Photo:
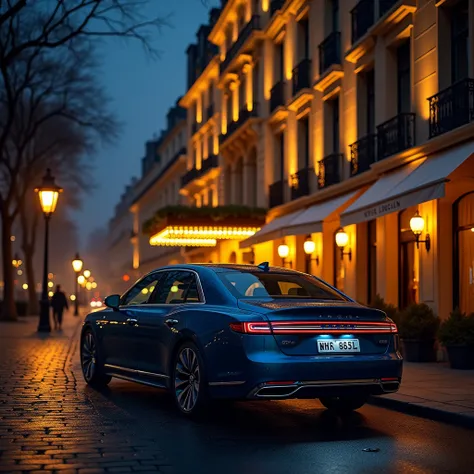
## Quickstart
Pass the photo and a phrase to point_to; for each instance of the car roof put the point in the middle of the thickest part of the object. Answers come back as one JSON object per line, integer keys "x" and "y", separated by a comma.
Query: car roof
{"x": 226, "y": 267}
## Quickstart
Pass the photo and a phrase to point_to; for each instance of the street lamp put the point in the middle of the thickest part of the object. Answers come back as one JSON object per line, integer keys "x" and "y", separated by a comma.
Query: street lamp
{"x": 342, "y": 239}
{"x": 77, "y": 267}
{"x": 17, "y": 262}
{"x": 283, "y": 252}
{"x": 48, "y": 194}
{"x": 417, "y": 225}
{"x": 87, "y": 273}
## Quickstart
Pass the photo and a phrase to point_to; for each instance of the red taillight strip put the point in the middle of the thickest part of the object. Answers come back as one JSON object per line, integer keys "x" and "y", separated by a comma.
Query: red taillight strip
{"x": 332, "y": 327}
{"x": 251, "y": 328}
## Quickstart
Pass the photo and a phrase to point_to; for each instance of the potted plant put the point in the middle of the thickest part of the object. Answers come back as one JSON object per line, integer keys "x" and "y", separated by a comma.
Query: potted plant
{"x": 457, "y": 335}
{"x": 418, "y": 326}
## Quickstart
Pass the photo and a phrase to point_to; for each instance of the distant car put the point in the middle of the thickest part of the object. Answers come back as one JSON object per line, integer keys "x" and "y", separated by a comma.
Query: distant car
{"x": 242, "y": 332}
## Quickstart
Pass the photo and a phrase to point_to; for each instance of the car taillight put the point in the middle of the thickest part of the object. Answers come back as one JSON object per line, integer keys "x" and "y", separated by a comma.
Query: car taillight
{"x": 251, "y": 328}
{"x": 393, "y": 328}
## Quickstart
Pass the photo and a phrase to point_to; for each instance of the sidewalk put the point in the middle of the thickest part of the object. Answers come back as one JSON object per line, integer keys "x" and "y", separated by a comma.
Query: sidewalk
{"x": 433, "y": 390}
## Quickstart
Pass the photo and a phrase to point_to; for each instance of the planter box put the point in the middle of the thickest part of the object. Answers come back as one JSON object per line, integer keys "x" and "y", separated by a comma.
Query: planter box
{"x": 418, "y": 351}
{"x": 461, "y": 357}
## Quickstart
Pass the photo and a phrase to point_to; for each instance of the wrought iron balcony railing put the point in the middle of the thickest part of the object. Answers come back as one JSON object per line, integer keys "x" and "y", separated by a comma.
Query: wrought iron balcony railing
{"x": 244, "y": 35}
{"x": 276, "y": 193}
{"x": 329, "y": 171}
{"x": 452, "y": 107}
{"x": 395, "y": 135}
{"x": 300, "y": 183}
{"x": 277, "y": 95}
{"x": 330, "y": 52}
{"x": 244, "y": 115}
{"x": 302, "y": 76}
{"x": 363, "y": 154}
{"x": 276, "y": 5}
{"x": 210, "y": 162}
{"x": 362, "y": 17}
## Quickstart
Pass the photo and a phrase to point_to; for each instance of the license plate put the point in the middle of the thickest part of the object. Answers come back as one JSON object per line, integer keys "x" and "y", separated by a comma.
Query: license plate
{"x": 339, "y": 345}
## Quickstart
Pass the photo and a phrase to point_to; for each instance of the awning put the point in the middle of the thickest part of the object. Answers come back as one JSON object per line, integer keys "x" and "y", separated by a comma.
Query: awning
{"x": 271, "y": 231}
{"x": 311, "y": 220}
{"x": 412, "y": 184}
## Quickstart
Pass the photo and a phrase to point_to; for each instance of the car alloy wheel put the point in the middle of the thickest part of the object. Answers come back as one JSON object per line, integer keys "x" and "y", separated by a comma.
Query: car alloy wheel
{"x": 187, "y": 379}
{"x": 88, "y": 356}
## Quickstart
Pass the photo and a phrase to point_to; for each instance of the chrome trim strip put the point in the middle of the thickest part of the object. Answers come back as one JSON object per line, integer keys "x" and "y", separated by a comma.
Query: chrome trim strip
{"x": 131, "y": 379}
{"x": 136, "y": 371}
{"x": 237, "y": 382}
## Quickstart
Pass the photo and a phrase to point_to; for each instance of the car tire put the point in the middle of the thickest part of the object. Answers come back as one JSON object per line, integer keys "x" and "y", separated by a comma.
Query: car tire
{"x": 343, "y": 405}
{"x": 91, "y": 364}
{"x": 189, "y": 382}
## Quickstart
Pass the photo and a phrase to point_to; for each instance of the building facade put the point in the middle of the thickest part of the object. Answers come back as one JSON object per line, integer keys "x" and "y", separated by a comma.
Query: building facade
{"x": 351, "y": 123}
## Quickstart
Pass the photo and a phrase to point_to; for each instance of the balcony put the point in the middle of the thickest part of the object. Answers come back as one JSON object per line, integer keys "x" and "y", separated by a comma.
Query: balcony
{"x": 244, "y": 35}
{"x": 301, "y": 76}
{"x": 276, "y": 193}
{"x": 363, "y": 154}
{"x": 329, "y": 172}
{"x": 209, "y": 163}
{"x": 452, "y": 107}
{"x": 276, "y": 5}
{"x": 277, "y": 95}
{"x": 395, "y": 135}
{"x": 300, "y": 183}
{"x": 330, "y": 64}
{"x": 244, "y": 116}
{"x": 363, "y": 17}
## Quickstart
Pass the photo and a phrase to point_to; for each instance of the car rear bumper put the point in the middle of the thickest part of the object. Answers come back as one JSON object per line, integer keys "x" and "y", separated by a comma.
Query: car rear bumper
{"x": 313, "y": 377}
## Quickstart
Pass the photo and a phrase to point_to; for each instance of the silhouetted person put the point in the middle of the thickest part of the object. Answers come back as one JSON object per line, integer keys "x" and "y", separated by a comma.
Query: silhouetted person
{"x": 58, "y": 303}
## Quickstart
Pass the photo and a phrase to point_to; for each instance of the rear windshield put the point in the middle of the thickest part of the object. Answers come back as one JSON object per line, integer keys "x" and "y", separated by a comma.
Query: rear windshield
{"x": 277, "y": 285}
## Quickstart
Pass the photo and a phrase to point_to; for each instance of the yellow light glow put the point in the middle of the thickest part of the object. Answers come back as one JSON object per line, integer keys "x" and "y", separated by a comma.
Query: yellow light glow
{"x": 73, "y": 297}
{"x": 309, "y": 247}
{"x": 249, "y": 87}
{"x": 25, "y": 286}
{"x": 20, "y": 272}
{"x": 341, "y": 238}
{"x": 77, "y": 264}
{"x": 417, "y": 224}
{"x": 87, "y": 273}
{"x": 472, "y": 229}
{"x": 174, "y": 289}
{"x": 50, "y": 284}
{"x": 12, "y": 238}
{"x": 94, "y": 285}
{"x": 89, "y": 285}
{"x": 48, "y": 200}
{"x": 50, "y": 294}
{"x": 265, "y": 5}
{"x": 81, "y": 279}
{"x": 145, "y": 291}
{"x": 283, "y": 251}
{"x": 50, "y": 276}
{"x": 235, "y": 103}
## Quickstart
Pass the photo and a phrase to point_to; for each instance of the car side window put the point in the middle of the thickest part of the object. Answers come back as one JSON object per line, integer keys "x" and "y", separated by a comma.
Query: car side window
{"x": 176, "y": 287}
{"x": 141, "y": 292}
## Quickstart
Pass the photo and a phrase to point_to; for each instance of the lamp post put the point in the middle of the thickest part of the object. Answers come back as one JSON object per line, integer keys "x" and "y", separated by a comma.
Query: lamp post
{"x": 77, "y": 267}
{"x": 48, "y": 194}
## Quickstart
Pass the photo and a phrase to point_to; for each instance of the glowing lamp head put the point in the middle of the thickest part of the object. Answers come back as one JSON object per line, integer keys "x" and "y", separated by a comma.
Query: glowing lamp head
{"x": 342, "y": 238}
{"x": 48, "y": 194}
{"x": 417, "y": 224}
{"x": 81, "y": 279}
{"x": 283, "y": 251}
{"x": 309, "y": 247}
{"x": 87, "y": 273}
{"x": 77, "y": 263}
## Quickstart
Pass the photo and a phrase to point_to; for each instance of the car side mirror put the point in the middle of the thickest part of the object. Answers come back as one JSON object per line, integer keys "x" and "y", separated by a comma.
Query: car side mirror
{"x": 112, "y": 301}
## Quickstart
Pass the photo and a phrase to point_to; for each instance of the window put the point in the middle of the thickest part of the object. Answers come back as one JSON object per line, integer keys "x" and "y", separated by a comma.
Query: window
{"x": 335, "y": 15}
{"x": 335, "y": 125}
{"x": 176, "y": 287}
{"x": 409, "y": 269}
{"x": 372, "y": 260}
{"x": 370, "y": 94}
{"x": 463, "y": 281}
{"x": 403, "y": 78}
{"x": 459, "y": 41}
{"x": 277, "y": 285}
{"x": 140, "y": 293}
{"x": 303, "y": 142}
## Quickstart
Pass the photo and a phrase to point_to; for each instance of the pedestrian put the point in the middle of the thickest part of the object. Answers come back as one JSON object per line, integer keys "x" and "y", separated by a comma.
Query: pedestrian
{"x": 58, "y": 303}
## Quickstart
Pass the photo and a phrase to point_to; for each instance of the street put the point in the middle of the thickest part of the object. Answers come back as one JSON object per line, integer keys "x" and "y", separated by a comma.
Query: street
{"x": 51, "y": 421}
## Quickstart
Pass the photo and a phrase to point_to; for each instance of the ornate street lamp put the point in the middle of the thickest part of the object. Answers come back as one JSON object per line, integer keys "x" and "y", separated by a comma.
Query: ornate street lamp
{"x": 77, "y": 267}
{"x": 342, "y": 239}
{"x": 48, "y": 194}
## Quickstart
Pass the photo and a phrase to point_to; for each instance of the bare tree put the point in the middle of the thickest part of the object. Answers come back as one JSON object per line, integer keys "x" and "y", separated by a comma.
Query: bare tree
{"x": 62, "y": 112}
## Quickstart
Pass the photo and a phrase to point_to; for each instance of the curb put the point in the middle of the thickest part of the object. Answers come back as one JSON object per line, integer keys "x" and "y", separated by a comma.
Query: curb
{"x": 435, "y": 414}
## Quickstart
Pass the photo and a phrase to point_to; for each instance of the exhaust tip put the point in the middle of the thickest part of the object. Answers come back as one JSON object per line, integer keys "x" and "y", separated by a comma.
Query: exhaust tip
{"x": 389, "y": 387}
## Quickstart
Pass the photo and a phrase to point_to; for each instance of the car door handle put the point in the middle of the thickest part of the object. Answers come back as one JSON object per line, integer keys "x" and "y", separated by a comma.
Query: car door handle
{"x": 171, "y": 322}
{"x": 132, "y": 321}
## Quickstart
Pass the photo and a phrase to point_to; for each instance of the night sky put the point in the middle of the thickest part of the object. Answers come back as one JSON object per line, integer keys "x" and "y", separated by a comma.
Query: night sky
{"x": 142, "y": 90}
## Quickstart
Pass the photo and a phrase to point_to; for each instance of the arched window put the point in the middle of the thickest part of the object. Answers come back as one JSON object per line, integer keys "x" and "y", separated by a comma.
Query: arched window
{"x": 464, "y": 253}
{"x": 408, "y": 261}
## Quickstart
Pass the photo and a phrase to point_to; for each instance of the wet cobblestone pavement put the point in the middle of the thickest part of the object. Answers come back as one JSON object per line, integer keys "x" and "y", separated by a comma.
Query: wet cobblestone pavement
{"x": 50, "y": 421}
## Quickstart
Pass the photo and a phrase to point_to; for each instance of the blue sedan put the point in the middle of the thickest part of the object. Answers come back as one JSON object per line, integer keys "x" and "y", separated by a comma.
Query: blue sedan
{"x": 208, "y": 332}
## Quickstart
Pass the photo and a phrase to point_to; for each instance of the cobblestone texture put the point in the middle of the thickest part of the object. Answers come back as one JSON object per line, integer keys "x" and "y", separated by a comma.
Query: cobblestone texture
{"x": 48, "y": 418}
